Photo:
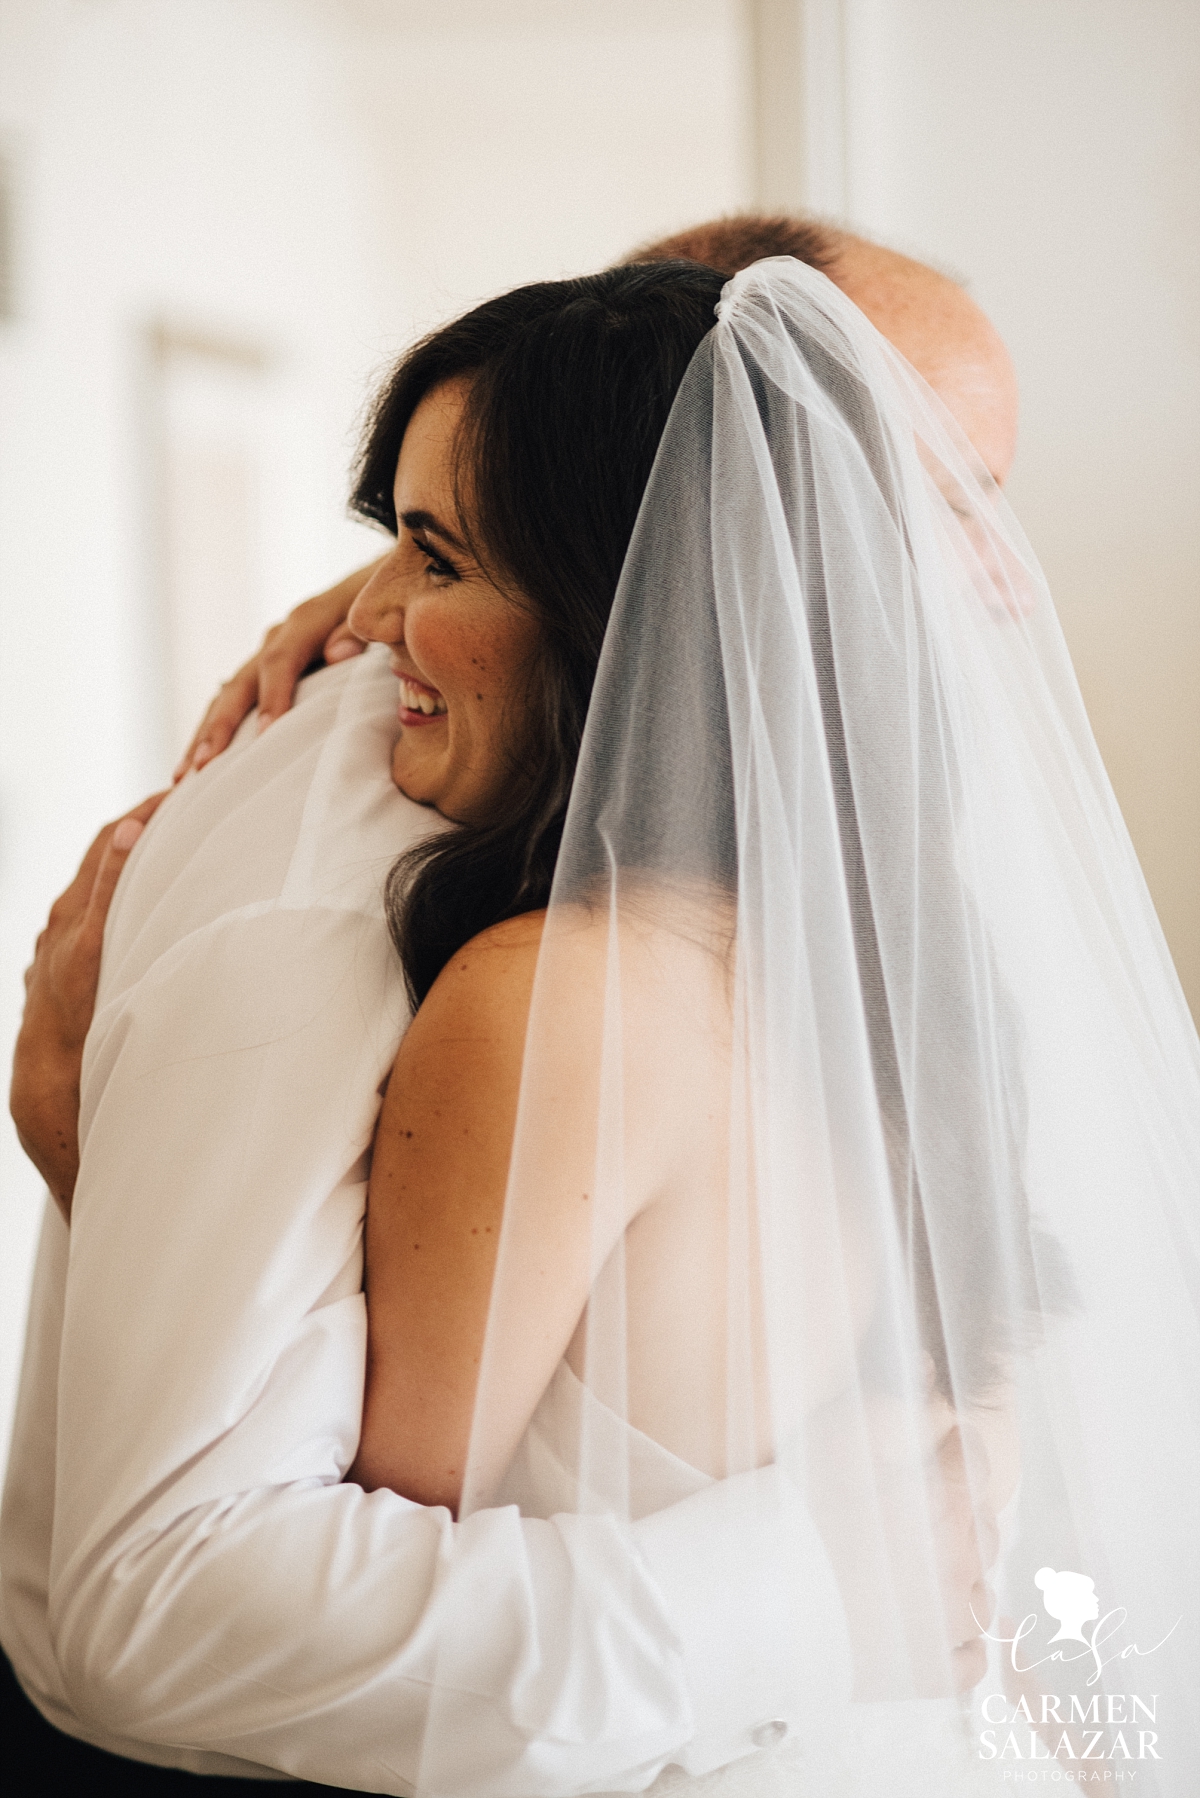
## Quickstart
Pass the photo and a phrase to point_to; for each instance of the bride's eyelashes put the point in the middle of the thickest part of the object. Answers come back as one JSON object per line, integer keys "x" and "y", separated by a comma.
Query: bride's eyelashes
{"x": 436, "y": 564}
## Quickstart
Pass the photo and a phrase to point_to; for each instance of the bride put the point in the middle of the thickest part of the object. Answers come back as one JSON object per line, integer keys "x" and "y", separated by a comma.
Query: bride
{"x": 796, "y": 1075}
{"x": 795, "y": 1095}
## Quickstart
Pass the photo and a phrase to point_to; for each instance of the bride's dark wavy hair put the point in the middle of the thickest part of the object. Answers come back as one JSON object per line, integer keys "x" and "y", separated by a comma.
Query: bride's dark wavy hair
{"x": 571, "y": 385}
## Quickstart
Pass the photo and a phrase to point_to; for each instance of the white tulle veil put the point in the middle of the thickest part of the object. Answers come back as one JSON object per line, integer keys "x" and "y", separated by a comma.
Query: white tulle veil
{"x": 891, "y": 1098}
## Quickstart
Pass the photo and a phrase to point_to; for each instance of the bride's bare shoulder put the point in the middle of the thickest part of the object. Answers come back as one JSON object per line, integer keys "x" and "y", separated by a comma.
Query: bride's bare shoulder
{"x": 508, "y": 952}
{"x": 513, "y": 942}
{"x": 483, "y": 990}
{"x": 672, "y": 946}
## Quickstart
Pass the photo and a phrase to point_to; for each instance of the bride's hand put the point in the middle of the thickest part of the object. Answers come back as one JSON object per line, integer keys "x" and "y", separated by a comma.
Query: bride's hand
{"x": 60, "y": 997}
{"x": 268, "y": 680}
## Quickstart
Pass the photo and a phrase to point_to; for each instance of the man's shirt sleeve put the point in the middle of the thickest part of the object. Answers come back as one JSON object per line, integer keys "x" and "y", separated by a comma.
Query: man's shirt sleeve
{"x": 213, "y": 1582}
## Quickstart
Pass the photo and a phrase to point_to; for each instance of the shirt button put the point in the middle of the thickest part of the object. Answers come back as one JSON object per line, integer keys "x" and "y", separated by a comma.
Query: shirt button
{"x": 767, "y": 1734}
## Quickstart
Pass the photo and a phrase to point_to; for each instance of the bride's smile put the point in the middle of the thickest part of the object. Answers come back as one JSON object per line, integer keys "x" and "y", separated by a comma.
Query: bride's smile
{"x": 419, "y": 704}
{"x": 460, "y": 645}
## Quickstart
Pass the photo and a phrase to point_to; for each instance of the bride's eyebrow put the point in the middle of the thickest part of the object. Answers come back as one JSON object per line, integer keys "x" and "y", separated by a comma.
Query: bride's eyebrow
{"x": 425, "y": 521}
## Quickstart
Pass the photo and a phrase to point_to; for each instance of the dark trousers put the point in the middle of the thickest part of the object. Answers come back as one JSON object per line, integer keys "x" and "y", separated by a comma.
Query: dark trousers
{"x": 39, "y": 1761}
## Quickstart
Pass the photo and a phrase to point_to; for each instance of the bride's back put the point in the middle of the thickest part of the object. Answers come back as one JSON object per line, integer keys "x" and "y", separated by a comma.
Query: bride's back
{"x": 652, "y": 987}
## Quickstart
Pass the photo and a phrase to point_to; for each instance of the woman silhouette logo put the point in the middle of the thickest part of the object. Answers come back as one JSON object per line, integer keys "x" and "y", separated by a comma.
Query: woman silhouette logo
{"x": 1070, "y": 1598}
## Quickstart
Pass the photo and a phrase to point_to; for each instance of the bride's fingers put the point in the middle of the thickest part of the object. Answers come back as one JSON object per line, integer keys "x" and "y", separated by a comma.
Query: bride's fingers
{"x": 342, "y": 643}
{"x": 268, "y": 680}
{"x": 116, "y": 853}
{"x": 290, "y": 648}
{"x": 60, "y": 983}
{"x": 236, "y": 699}
{"x": 72, "y": 901}
{"x": 121, "y": 838}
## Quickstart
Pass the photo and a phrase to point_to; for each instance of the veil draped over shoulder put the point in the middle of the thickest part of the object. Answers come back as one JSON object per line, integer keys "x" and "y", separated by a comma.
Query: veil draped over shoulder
{"x": 856, "y": 1036}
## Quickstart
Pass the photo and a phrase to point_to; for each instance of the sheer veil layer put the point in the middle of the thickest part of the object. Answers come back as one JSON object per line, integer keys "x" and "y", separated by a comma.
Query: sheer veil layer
{"x": 856, "y": 1046}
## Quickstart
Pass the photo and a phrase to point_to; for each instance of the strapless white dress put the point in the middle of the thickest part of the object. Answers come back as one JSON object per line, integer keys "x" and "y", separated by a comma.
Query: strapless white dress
{"x": 882, "y": 1750}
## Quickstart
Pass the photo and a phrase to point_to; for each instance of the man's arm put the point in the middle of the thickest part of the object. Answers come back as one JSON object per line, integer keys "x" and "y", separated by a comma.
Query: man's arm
{"x": 354, "y": 1639}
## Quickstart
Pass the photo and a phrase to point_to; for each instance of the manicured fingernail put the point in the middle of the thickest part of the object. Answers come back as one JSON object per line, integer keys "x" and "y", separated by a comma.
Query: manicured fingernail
{"x": 264, "y": 718}
{"x": 343, "y": 650}
{"x": 127, "y": 833}
{"x": 203, "y": 754}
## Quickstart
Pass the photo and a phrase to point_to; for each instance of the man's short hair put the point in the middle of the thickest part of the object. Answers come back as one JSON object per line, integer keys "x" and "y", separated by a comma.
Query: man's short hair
{"x": 733, "y": 243}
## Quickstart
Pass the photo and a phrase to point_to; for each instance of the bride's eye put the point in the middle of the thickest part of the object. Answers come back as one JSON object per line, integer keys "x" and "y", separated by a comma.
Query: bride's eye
{"x": 434, "y": 563}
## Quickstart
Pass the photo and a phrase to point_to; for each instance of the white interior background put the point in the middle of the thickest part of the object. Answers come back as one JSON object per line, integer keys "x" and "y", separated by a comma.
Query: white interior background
{"x": 227, "y": 216}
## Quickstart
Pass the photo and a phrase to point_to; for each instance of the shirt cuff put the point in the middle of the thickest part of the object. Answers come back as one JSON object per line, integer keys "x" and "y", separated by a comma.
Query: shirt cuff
{"x": 751, "y": 1591}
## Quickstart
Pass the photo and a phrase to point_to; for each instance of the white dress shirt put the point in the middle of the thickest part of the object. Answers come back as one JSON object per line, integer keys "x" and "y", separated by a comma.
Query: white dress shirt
{"x": 186, "y": 1579}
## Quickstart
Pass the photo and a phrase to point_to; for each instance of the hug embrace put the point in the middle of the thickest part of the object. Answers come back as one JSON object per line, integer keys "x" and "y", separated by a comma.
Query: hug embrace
{"x": 625, "y": 1173}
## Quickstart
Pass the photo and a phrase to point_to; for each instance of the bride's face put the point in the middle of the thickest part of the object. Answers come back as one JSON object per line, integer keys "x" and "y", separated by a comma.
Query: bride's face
{"x": 460, "y": 646}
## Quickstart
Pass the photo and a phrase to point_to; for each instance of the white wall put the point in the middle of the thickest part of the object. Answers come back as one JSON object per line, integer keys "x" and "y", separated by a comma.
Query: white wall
{"x": 1049, "y": 152}
{"x": 533, "y": 139}
{"x": 316, "y": 178}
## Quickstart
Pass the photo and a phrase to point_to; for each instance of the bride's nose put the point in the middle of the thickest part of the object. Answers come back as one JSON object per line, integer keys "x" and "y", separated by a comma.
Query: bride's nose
{"x": 377, "y": 615}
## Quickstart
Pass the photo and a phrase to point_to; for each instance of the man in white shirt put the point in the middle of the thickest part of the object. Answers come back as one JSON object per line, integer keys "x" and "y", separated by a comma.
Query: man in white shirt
{"x": 187, "y": 1581}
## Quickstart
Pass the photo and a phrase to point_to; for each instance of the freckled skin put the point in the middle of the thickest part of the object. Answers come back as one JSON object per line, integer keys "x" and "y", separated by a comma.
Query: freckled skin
{"x": 427, "y": 1295}
{"x": 450, "y": 627}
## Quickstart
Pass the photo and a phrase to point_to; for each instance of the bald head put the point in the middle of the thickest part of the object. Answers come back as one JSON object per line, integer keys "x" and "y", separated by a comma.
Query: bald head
{"x": 931, "y": 320}
{"x": 948, "y": 339}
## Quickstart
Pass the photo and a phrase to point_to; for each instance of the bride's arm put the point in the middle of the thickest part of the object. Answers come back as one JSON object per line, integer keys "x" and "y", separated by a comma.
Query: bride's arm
{"x": 434, "y": 1214}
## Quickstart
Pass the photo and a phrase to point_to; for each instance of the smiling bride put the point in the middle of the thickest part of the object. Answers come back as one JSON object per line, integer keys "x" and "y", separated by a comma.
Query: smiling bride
{"x": 796, "y": 1085}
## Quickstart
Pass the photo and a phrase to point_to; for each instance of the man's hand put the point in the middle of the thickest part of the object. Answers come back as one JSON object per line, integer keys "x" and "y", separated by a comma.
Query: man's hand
{"x": 268, "y": 679}
{"x": 914, "y": 1623}
{"x": 60, "y": 997}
